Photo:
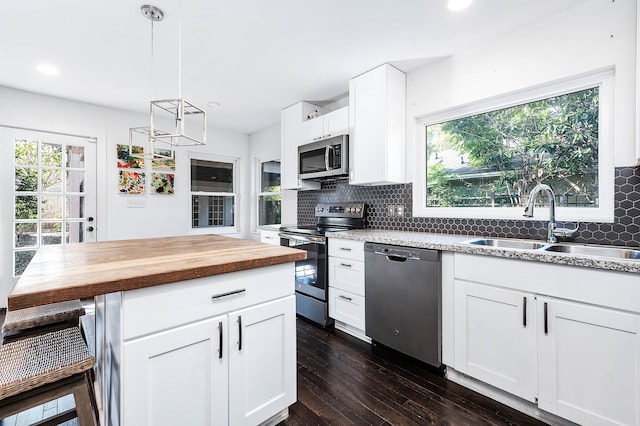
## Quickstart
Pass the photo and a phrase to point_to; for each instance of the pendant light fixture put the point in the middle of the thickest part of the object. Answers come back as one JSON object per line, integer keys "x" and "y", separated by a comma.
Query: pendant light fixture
{"x": 173, "y": 122}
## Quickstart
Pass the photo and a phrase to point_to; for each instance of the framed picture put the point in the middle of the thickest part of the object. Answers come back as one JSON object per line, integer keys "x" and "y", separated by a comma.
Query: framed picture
{"x": 131, "y": 182}
{"x": 162, "y": 183}
{"x": 130, "y": 158}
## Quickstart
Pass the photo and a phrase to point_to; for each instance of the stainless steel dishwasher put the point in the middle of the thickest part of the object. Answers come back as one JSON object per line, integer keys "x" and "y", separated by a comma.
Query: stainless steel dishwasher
{"x": 403, "y": 299}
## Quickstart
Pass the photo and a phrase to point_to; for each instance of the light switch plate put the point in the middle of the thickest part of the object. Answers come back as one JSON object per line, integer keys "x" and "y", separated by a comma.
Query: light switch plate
{"x": 136, "y": 203}
{"x": 391, "y": 210}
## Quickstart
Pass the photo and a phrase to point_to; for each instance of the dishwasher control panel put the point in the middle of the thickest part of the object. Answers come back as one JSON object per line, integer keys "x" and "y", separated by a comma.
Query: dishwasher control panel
{"x": 403, "y": 252}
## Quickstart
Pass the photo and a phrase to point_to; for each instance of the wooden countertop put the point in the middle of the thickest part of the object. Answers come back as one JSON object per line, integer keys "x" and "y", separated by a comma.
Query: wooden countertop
{"x": 66, "y": 272}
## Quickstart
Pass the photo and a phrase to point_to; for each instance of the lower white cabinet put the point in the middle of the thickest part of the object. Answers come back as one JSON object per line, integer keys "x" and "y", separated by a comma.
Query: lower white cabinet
{"x": 346, "y": 286}
{"x": 234, "y": 369}
{"x": 269, "y": 237}
{"x": 575, "y": 359}
{"x": 495, "y": 337}
{"x": 179, "y": 376}
{"x": 216, "y": 350}
{"x": 588, "y": 363}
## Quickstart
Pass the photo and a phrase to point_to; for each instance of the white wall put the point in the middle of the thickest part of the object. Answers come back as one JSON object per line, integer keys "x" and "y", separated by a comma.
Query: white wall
{"x": 162, "y": 215}
{"x": 590, "y": 36}
{"x": 264, "y": 145}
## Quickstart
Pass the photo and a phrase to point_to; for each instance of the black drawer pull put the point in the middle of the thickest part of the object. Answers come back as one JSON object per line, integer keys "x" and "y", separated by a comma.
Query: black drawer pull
{"x": 546, "y": 321}
{"x": 346, "y": 265}
{"x": 220, "y": 340}
{"x": 239, "y": 333}
{"x": 345, "y": 297}
{"x": 227, "y": 294}
{"x": 524, "y": 311}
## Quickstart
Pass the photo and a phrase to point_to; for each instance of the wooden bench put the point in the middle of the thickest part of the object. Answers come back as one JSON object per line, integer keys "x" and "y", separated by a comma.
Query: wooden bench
{"x": 29, "y": 321}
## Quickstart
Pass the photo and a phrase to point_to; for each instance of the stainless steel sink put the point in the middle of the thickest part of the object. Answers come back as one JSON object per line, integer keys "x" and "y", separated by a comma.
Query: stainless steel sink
{"x": 614, "y": 252}
{"x": 507, "y": 243}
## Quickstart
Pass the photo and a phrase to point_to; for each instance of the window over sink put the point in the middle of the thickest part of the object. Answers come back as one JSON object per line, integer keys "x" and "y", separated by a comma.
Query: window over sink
{"x": 481, "y": 160}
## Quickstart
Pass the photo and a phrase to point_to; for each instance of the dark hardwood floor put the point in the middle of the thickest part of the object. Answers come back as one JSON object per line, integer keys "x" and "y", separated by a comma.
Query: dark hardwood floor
{"x": 342, "y": 381}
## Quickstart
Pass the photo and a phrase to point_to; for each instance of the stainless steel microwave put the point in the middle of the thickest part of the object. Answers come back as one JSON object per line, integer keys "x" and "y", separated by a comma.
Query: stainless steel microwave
{"x": 326, "y": 158}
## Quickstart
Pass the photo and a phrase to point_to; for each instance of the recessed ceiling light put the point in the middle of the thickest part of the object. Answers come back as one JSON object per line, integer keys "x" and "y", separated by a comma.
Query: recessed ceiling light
{"x": 457, "y": 5}
{"x": 48, "y": 69}
{"x": 213, "y": 104}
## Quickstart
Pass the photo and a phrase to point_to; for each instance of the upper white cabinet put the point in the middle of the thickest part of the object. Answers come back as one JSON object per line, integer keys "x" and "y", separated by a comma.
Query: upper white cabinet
{"x": 291, "y": 137}
{"x": 325, "y": 126}
{"x": 377, "y": 120}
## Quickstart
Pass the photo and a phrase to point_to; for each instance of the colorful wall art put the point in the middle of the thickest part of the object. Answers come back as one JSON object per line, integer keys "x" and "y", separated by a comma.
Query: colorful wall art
{"x": 168, "y": 163}
{"x": 130, "y": 158}
{"x": 162, "y": 183}
{"x": 131, "y": 182}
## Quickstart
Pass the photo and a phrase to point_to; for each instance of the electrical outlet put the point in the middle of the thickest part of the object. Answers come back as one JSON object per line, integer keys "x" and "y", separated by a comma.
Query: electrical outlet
{"x": 391, "y": 210}
{"x": 400, "y": 210}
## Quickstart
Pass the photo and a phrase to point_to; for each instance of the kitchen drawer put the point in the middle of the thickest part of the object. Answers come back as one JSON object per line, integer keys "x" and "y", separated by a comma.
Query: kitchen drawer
{"x": 152, "y": 309}
{"x": 346, "y": 307}
{"x": 348, "y": 249}
{"x": 269, "y": 237}
{"x": 346, "y": 274}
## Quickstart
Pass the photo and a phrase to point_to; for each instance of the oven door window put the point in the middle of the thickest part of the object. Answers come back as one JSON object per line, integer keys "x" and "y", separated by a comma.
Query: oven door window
{"x": 311, "y": 273}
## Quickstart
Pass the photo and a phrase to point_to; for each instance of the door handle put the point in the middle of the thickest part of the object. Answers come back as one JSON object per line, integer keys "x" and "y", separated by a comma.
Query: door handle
{"x": 220, "y": 340}
{"x": 524, "y": 311}
{"x": 546, "y": 321}
{"x": 239, "y": 333}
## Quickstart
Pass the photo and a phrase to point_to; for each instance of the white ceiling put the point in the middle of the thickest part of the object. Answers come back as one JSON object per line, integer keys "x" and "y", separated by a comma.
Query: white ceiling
{"x": 254, "y": 57}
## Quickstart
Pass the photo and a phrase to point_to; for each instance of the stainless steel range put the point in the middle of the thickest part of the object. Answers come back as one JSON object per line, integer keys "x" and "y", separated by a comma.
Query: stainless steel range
{"x": 311, "y": 274}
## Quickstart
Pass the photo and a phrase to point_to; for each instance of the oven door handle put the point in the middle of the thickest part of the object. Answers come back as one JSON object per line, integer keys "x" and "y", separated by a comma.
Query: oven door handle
{"x": 316, "y": 240}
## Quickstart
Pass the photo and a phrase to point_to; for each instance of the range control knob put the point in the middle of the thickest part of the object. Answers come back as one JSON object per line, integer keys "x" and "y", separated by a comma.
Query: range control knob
{"x": 357, "y": 209}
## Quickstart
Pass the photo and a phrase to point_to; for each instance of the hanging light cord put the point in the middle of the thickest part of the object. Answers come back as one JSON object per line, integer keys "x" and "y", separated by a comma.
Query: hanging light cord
{"x": 180, "y": 50}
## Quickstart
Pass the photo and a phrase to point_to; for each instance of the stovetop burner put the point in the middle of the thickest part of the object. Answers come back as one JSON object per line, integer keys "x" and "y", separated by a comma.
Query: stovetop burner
{"x": 332, "y": 218}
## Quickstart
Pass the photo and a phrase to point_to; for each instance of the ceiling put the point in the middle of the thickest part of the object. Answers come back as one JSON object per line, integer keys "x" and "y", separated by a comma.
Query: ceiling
{"x": 254, "y": 57}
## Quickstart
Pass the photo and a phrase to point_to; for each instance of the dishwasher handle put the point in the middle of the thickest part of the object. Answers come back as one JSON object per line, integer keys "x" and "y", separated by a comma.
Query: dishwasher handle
{"x": 396, "y": 257}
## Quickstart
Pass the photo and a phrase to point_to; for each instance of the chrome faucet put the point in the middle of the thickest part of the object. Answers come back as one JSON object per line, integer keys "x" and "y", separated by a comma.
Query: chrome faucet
{"x": 552, "y": 229}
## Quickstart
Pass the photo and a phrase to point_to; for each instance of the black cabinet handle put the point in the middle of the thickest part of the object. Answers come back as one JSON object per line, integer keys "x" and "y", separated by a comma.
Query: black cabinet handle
{"x": 345, "y": 297}
{"x": 546, "y": 322}
{"x": 220, "y": 340}
{"x": 524, "y": 311}
{"x": 239, "y": 333}
{"x": 227, "y": 294}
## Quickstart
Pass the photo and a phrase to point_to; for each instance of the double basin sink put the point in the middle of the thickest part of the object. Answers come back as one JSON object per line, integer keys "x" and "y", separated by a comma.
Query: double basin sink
{"x": 568, "y": 248}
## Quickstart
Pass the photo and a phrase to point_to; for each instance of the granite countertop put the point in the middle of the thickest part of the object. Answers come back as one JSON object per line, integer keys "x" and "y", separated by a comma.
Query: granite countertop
{"x": 58, "y": 273}
{"x": 269, "y": 227}
{"x": 447, "y": 242}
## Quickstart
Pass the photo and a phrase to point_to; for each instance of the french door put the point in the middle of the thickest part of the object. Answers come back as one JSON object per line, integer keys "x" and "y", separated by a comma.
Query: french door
{"x": 48, "y": 196}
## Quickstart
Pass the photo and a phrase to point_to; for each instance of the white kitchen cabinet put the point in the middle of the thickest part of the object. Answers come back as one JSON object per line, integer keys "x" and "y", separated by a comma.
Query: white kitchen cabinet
{"x": 236, "y": 369}
{"x": 346, "y": 286}
{"x": 262, "y": 361}
{"x": 179, "y": 376}
{"x": 217, "y": 350}
{"x": 290, "y": 138}
{"x": 589, "y": 363}
{"x": 334, "y": 123}
{"x": 377, "y": 121}
{"x": 269, "y": 237}
{"x": 578, "y": 357}
{"x": 495, "y": 338}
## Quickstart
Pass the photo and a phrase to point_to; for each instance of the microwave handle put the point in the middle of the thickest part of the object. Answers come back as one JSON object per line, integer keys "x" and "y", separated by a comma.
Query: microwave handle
{"x": 326, "y": 157}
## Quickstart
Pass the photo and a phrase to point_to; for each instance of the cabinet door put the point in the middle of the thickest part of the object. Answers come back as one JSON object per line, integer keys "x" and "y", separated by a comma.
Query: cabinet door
{"x": 262, "y": 361}
{"x": 179, "y": 376}
{"x": 377, "y": 120}
{"x": 589, "y": 363}
{"x": 495, "y": 337}
{"x": 313, "y": 130}
{"x": 336, "y": 122}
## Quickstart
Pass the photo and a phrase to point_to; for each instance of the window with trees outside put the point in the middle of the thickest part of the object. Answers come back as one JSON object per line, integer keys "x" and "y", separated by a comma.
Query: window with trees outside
{"x": 489, "y": 161}
{"x": 213, "y": 193}
{"x": 269, "y": 195}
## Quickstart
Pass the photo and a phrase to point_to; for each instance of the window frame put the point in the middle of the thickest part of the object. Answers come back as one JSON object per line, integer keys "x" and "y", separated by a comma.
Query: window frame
{"x": 234, "y": 161}
{"x": 259, "y": 193}
{"x": 602, "y": 78}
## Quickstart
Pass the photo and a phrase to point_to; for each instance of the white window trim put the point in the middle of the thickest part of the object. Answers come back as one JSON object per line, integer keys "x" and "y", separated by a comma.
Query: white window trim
{"x": 258, "y": 183}
{"x": 220, "y": 230}
{"x": 604, "y": 78}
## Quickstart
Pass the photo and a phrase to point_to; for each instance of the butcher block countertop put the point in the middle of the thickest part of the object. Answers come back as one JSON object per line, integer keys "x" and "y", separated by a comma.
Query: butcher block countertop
{"x": 66, "y": 272}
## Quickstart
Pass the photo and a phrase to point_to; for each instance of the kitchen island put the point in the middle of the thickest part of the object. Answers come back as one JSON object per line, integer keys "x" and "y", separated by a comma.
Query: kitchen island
{"x": 196, "y": 330}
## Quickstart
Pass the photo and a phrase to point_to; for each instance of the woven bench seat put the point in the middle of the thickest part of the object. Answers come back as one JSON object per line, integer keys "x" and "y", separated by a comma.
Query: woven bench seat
{"x": 44, "y": 367}
{"x": 38, "y": 316}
